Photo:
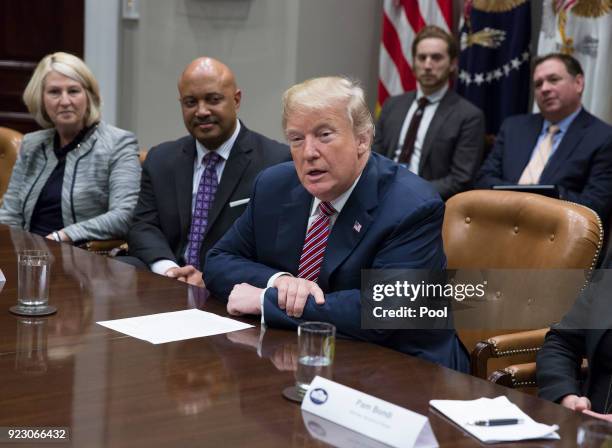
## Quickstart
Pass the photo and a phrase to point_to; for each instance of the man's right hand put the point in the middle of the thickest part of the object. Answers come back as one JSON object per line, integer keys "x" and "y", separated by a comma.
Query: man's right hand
{"x": 187, "y": 274}
{"x": 576, "y": 403}
{"x": 293, "y": 293}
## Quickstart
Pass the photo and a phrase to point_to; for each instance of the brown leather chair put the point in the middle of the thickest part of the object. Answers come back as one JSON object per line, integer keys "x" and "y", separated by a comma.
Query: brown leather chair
{"x": 10, "y": 141}
{"x": 102, "y": 247}
{"x": 486, "y": 229}
{"x": 142, "y": 155}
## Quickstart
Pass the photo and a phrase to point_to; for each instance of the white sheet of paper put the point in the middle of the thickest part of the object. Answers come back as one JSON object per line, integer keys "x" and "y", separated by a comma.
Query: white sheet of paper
{"x": 464, "y": 412}
{"x": 174, "y": 326}
{"x": 2, "y": 277}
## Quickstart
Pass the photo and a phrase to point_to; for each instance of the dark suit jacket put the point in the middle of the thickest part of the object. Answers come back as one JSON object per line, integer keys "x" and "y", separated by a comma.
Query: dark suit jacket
{"x": 578, "y": 336}
{"x": 559, "y": 361}
{"x": 162, "y": 218}
{"x": 269, "y": 237}
{"x": 581, "y": 167}
{"x": 454, "y": 144}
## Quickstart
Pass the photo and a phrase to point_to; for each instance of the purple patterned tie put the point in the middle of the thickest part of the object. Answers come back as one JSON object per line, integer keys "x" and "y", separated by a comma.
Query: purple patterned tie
{"x": 203, "y": 203}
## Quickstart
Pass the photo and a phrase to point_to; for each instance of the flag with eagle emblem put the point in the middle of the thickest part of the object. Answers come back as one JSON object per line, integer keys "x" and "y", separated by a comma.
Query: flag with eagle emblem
{"x": 494, "y": 71}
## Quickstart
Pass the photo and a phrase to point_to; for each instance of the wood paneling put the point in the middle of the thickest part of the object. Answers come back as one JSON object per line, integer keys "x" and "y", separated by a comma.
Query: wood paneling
{"x": 29, "y": 30}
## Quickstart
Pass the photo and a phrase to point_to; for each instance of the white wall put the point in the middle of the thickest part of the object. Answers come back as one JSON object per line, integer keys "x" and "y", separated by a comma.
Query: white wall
{"x": 269, "y": 44}
{"x": 102, "y": 51}
{"x": 340, "y": 37}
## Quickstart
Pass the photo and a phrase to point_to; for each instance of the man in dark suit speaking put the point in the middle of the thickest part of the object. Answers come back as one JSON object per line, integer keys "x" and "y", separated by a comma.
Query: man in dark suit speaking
{"x": 194, "y": 188}
{"x": 312, "y": 225}
{"x": 433, "y": 131}
{"x": 563, "y": 145}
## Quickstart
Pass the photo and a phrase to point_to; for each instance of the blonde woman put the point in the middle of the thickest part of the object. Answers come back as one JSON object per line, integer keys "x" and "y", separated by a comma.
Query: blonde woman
{"x": 78, "y": 179}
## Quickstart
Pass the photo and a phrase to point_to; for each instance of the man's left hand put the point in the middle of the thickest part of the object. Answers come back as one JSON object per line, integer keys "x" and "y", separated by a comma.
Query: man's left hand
{"x": 607, "y": 417}
{"x": 187, "y": 274}
{"x": 244, "y": 299}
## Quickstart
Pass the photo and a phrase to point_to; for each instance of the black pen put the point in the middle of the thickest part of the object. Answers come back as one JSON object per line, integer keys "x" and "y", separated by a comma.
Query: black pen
{"x": 498, "y": 422}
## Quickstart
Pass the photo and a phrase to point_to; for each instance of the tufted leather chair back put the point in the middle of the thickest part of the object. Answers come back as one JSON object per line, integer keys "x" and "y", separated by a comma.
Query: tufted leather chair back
{"x": 10, "y": 141}
{"x": 487, "y": 229}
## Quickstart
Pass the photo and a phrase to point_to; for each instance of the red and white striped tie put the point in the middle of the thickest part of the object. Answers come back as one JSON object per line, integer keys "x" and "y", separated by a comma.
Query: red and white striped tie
{"x": 315, "y": 243}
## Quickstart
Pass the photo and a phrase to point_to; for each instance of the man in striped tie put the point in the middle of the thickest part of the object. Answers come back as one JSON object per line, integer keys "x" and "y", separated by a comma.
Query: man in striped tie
{"x": 311, "y": 226}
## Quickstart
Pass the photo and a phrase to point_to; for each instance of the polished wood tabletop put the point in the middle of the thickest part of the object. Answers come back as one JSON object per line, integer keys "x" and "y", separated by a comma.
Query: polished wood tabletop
{"x": 113, "y": 390}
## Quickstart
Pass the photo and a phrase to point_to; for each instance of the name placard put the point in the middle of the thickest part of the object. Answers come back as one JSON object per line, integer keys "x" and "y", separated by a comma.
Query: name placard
{"x": 2, "y": 277}
{"x": 374, "y": 418}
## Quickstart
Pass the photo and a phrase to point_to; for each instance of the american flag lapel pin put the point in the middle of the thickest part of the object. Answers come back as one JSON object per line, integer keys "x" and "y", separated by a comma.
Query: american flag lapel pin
{"x": 357, "y": 227}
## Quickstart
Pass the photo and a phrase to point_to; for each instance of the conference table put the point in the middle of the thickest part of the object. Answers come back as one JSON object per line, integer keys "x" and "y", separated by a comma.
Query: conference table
{"x": 112, "y": 390}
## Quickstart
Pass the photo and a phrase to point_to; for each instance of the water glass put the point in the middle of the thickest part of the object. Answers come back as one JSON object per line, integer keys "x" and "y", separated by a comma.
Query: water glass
{"x": 33, "y": 278}
{"x": 595, "y": 434}
{"x": 316, "y": 346}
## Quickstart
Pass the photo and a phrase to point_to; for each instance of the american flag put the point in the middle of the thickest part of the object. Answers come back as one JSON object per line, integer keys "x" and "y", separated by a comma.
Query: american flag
{"x": 402, "y": 19}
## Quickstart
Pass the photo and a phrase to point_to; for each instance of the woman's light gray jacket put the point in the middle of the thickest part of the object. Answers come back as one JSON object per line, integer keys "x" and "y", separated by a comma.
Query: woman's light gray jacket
{"x": 100, "y": 187}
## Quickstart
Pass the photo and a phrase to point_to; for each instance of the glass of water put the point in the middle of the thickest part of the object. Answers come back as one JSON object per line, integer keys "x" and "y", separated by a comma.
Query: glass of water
{"x": 595, "y": 434}
{"x": 33, "y": 278}
{"x": 316, "y": 346}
